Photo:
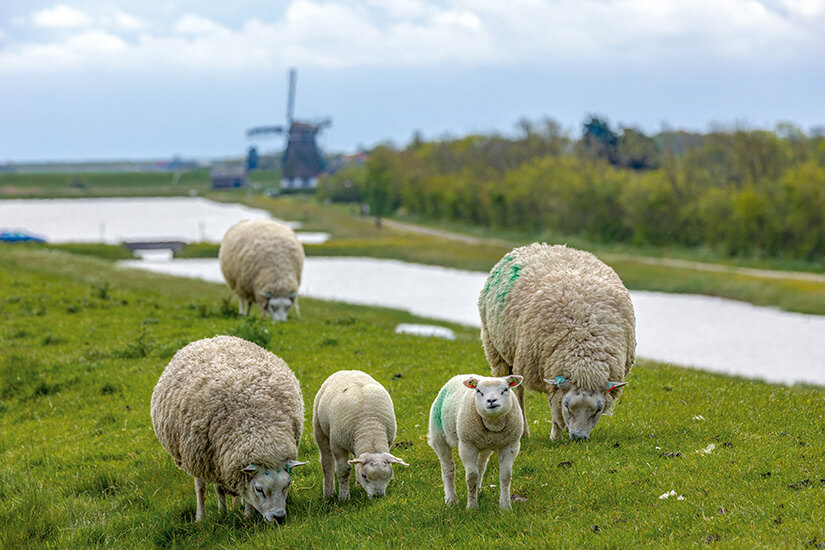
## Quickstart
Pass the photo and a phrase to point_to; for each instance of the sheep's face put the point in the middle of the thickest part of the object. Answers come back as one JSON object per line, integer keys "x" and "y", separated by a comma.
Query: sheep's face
{"x": 266, "y": 490}
{"x": 374, "y": 471}
{"x": 580, "y": 408}
{"x": 278, "y": 308}
{"x": 493, "y": 394}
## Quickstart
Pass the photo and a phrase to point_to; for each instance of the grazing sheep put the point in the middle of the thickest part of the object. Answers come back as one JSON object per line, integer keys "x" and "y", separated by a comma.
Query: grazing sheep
{"x": 231, "y": 413}
{"x": 562, "y": 319}
{"x": 478, "y": 415}
{"x": 261, "y": 261}
{"x": 353, "y": 414}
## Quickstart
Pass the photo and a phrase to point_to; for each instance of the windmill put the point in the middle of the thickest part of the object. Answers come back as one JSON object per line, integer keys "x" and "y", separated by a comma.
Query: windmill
{"x": 302, "y": 160}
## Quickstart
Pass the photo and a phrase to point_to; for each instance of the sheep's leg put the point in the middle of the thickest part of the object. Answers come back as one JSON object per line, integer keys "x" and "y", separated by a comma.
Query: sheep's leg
{"x": 249, "y": 511}
{"x": 520, "y": 396}
{"x": 445, "y": 457}
{"x": 557, "y": 431}
{"x": 200, "y": 497}
{"x": 483, "y": 457}
{"x": 327, "y": 460}
{"x": 221, "y": 499}
{"x": 506, "y": 457}
{"x": 469, "y": 456}
{"x": 558, "y": 423}
{"x": 343, "y": 469}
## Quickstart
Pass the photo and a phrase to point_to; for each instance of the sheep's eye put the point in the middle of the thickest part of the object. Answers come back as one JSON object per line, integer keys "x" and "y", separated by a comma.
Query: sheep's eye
{"x": 259, "y": 490}
{"x": 364, "y": 476}
{"x": 478, "y": 391}
{"x": 504, "y": 391}
{"x": 567, "y": 405}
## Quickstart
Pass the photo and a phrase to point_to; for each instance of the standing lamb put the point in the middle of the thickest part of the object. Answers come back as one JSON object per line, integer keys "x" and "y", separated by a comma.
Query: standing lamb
{"x": 562, "y": 319}
{"x": 478, "y": 415}
{"x": 353, "y": 414}
{"x": 261, "y": 261}
{"x": 231, "y": 413}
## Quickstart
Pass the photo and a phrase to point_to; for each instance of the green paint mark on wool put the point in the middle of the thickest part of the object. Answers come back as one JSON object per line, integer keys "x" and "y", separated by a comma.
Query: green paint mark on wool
{"x": 502, "y": 279}
{"x": 438, "y": 405}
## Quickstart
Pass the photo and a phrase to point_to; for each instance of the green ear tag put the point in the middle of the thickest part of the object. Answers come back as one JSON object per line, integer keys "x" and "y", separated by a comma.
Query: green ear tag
{"x": 559, "y": 380}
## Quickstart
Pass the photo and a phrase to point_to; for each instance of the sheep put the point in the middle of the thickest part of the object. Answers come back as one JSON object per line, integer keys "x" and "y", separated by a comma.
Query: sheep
{"x": 562, "y": 319}
{"x": 353, "y": 414}
{"x": 261, "y": 261}
{"x": 231, "y": 413}
{"x": 478, "y": 415}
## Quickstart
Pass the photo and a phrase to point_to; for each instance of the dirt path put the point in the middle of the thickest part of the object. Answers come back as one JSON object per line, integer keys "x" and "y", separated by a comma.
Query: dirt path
{"x": 423, "y": 230}
{"x": 669, "y": 262}
{"x": 722, "y": 268}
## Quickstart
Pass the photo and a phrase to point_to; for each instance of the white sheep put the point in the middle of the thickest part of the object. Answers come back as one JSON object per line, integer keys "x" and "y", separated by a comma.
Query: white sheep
{"x": 478, "y": 415}
{"x": 231, "y": 413}
{"x": 353, "y": 414}
{"x": 562, "y": 319}
{"x": 261, "y": 261}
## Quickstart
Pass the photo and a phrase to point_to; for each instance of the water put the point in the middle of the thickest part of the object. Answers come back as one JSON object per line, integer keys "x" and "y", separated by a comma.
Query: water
{"x": 689, "y": 330}
{"x": 114, "y": 220}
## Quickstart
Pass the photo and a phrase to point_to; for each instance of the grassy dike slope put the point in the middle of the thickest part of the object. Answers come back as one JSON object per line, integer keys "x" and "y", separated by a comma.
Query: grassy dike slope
{"x": 82, "y": 344}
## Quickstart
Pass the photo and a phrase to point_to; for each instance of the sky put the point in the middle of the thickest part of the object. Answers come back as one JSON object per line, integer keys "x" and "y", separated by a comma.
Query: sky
{"x": 88, "y": 79}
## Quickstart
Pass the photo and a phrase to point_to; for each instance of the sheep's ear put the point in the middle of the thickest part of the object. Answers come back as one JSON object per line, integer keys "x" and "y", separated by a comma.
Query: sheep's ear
{"x": 395, "y": 460}
{"x": 356, "y": 460}
{"x": 471, "y": 383}
{"x": 266, "y": 294}
{"x": 290, "y": 464}
{"x": 514, "y": 380}
{"x": 610, "y": 386}
{"x": 560, "y": 382}
{"x": 250, "y": 470}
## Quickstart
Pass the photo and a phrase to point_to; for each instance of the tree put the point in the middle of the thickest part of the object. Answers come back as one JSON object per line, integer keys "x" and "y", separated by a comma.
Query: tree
{"x": 382, "y": 175}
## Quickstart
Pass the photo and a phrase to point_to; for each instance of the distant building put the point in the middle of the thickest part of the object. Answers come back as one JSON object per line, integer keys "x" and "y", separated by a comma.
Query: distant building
{"x": 228, "y": 177}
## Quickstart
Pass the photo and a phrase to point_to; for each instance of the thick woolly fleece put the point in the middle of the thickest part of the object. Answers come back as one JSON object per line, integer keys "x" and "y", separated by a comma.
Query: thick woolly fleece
{"x": 354, "y": 413}
{"x": 454, "y": 416}
{"x": 261, "y": 256}
{"x": 549, "y": 311}
{"x": 223, "y": 403}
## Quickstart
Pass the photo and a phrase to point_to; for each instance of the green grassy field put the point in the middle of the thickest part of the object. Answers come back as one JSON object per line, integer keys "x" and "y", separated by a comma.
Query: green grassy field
{"x": 82, "y": 344}
{"x": 120, "y": 184}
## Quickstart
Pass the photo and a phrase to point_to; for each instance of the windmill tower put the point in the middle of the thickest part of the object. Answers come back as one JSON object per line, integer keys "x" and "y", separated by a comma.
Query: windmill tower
{"x": 302, "y": 160}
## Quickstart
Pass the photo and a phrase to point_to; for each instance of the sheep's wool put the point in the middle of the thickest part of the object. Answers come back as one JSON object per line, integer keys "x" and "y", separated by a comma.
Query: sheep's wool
{"x": 223, "y": 403}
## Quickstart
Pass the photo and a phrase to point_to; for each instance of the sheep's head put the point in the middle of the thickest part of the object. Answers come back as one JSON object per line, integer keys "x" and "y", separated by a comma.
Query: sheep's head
{"x": 266, "y": 489}
{"x": 493, "y": 394}
{"x": 580, "y": 408}
{"x": 277, "y": 307}
{"x": 374, "y": 471}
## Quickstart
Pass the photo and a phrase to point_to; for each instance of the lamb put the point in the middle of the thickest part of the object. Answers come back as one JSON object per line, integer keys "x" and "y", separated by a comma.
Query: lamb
{"x": 353, "y": 414}
{"x": 562, "y": 319}
{"x": 231, "y": 413}
{"x": 478, "y": 415}
{"x": 261, "y": 261}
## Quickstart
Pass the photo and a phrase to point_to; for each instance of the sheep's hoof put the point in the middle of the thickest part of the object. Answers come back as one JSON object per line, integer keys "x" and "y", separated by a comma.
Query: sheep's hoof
{"x": 449, "y": 501}
{"x": 343, "y": 497}
{"x": 472, "y": 505}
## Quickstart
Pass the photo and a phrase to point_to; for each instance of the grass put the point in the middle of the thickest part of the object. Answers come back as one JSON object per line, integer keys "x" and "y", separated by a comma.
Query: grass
{"x": 119, "y": 184}
{"x": 82, "y": 344}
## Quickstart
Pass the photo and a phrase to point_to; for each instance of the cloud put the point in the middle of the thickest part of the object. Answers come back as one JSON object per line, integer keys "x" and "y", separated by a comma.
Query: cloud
{"x": 354, "y": 33}
{"x": 61, "y": 16}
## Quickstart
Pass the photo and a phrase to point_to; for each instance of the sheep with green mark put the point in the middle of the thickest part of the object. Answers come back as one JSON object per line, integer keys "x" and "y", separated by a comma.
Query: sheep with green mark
{"x": 262, "y": 261}
{"x": 231, "y": 413}
{"x": 563, "y": 320}
{"x": 353, "y": 415}
{"x": 479, "y": 416}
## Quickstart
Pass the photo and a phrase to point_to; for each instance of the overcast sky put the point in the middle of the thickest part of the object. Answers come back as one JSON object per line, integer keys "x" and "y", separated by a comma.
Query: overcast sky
{"x": 87, "y": 79}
